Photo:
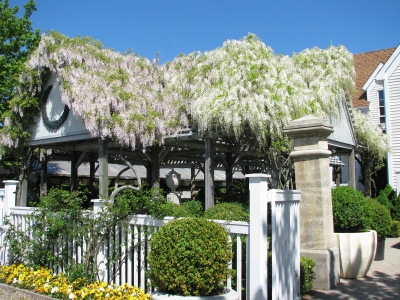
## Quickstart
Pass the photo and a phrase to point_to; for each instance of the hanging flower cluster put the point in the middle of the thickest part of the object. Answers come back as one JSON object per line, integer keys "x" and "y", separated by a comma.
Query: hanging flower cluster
{"x": 370, "y": 136}
{"x": 241, "y": 85}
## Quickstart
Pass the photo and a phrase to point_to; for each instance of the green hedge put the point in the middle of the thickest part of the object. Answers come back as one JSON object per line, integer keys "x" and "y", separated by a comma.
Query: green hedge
{"x": 169, "y": 209}
{"x": 381, "y": 220}
{"x": 227, "y": 211}
{"x": 394, "y": 229}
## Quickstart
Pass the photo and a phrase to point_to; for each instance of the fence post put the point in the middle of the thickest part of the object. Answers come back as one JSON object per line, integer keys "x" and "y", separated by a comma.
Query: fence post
{"x": 101, "y": 261}
{"x": 257, "y": 281}
{"x": 10, "y": 188}
{"x": 285, "y": 223}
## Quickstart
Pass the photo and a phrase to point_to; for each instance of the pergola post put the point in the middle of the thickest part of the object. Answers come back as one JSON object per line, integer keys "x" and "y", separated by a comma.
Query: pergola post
{"x": 43, "y": 177}
{"x": 229, "y": 176}
{"x": 155, "y": 167}
{"x": 192, "y": 183}
{"x": 103, "y": 168}
{"x": 23, "y": 187}
{"x": 74, "y": 172}
{"x": 209, "y": 174}
{"x": 92, "y": 173}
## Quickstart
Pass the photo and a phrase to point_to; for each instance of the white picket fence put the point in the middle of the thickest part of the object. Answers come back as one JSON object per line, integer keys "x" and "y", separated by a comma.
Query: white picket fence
{"x": 133, "y": 244}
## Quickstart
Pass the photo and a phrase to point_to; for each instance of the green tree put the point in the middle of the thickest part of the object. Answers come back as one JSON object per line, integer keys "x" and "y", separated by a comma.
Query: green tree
{"x": 18, "y": 40}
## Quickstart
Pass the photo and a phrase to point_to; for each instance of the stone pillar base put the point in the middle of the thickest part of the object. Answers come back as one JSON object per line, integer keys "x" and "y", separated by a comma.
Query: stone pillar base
{"x": 327, "y": 267}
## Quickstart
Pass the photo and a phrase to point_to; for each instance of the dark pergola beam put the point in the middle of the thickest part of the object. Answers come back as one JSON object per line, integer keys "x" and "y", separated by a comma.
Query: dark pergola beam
{"x": 80, "y": 160}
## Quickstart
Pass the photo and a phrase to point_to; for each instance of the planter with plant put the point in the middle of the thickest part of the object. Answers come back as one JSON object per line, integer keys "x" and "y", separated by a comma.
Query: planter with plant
{"x": 189, "y": 259}
{"x": 352, "y": 218}
{"x": 381, "y": 222}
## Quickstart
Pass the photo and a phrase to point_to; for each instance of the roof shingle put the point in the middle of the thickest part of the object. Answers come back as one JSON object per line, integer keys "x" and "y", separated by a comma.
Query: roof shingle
{"x": 365, "y": 64}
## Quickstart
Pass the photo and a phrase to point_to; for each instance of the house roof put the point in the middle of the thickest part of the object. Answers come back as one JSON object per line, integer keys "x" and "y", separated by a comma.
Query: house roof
{"x": 365, "y": 64}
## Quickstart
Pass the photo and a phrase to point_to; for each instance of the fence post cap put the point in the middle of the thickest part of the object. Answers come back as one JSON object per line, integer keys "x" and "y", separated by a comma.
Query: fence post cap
{"x": 10, "y": 181}
{"x": 257, "y": 175}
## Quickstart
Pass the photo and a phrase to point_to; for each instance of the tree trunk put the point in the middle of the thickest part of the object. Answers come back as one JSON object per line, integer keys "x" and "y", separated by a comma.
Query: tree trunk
{"x": 367, "y": 175}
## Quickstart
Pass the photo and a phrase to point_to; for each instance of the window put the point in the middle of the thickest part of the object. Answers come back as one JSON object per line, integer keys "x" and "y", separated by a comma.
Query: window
{"x": 382, "y": 115}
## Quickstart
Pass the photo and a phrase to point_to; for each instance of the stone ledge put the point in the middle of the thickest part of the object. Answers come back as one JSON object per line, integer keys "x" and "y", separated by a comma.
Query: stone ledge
{"x": 32, "y": 295}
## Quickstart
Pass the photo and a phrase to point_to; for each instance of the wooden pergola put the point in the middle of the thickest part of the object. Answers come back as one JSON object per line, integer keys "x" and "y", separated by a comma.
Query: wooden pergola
{"x": 188, "y": 149}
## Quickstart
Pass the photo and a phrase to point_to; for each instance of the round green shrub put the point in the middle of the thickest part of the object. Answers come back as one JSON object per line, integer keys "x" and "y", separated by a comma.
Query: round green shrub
{"x": 381, "y": 220}
{"x": 227, "y": 211}
{"x": 189, "y": 257}
{"x": 351, "y": 210}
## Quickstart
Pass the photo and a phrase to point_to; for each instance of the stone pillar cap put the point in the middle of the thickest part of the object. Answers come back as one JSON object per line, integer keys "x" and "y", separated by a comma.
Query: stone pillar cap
{"x": 308, "y": 126}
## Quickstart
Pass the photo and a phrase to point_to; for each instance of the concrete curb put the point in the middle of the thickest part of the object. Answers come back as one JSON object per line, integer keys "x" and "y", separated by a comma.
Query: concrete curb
{"x": 32, "y": 295}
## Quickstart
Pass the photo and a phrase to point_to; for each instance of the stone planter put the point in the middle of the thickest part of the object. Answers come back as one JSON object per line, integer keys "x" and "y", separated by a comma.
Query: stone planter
{"x": 228, "y": 295}
{"x": 356, "y": 251}
{"x": 380, "y": 249}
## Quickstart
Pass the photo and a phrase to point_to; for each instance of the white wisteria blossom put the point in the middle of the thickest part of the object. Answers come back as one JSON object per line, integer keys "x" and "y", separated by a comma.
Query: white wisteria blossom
{"x": 239, "y": 88}
{"x": 370, "y": 136}
{"x": 373, "y": 148}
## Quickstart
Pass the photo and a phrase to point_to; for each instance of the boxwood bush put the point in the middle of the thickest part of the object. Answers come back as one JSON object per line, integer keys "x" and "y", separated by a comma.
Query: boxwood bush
{"x": 351, "y": 210}
{"x": 380, "y": 218}
{"x": 189, "y": 257}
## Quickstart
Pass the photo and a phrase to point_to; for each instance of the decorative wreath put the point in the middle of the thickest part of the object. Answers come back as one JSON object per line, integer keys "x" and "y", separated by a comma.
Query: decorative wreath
{"x": 56, "y": 123}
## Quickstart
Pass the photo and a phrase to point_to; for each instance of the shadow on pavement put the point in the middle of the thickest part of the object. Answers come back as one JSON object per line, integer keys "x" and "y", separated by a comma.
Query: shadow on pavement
{"x": 397, "y": 246}
{"x": 379, "y": 286}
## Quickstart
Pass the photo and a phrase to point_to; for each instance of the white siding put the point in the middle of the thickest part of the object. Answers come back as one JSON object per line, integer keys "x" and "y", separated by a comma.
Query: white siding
{"x": 374, "y": 103}
{"x": 393, "y": 93}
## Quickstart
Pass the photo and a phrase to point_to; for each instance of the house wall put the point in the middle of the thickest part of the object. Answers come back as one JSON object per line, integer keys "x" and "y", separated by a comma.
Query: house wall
{"x": 393, "y": 95}
{"x": 374, "y": 103}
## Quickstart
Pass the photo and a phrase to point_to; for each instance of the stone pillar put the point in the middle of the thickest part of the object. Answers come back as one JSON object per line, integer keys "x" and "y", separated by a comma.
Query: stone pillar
{"x": 313, "y": 178}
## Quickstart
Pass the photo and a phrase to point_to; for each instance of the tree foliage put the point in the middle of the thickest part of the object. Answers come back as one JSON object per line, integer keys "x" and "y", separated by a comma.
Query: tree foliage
{"x": 18, "y": 40}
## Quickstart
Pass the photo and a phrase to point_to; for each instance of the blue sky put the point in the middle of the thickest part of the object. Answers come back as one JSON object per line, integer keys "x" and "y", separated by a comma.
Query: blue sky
{"x": 183, "y": 26}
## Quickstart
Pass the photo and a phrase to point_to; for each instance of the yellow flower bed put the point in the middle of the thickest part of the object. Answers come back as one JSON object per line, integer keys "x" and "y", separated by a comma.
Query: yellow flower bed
{"x": 57, "y": 286}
